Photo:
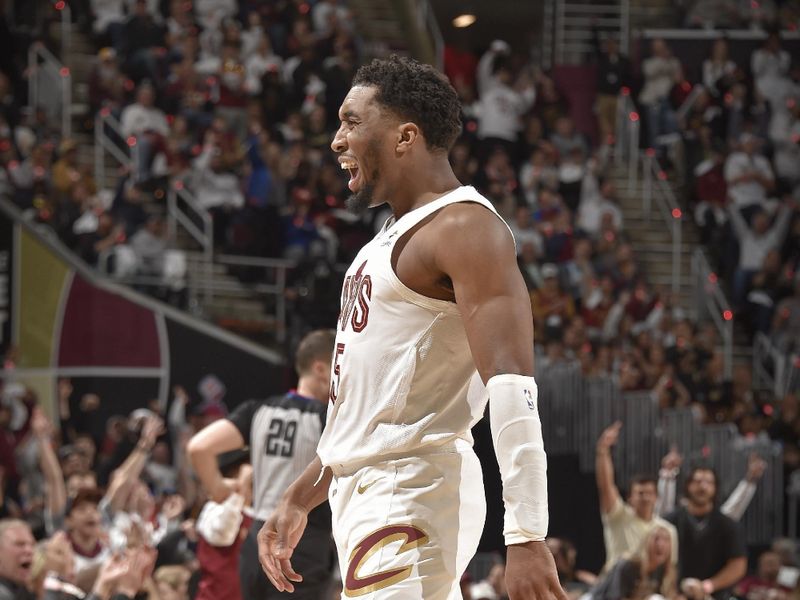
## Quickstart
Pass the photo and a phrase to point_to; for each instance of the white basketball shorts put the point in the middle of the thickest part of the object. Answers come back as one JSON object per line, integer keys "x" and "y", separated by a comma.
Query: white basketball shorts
{"x": 407, "y": 528}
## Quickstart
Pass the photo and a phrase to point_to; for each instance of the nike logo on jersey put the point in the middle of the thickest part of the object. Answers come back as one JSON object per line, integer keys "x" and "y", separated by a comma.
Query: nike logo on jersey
{"x": 364, "y": 487}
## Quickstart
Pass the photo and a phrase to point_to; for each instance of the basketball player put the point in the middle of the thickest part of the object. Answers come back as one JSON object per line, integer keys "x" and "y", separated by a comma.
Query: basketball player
{"x": 434, "y": 296}
{"x": 283, "y": 433}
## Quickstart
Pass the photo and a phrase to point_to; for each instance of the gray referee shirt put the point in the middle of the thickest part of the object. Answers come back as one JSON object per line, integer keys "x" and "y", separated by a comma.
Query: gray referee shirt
{"x": 283, "y": 433}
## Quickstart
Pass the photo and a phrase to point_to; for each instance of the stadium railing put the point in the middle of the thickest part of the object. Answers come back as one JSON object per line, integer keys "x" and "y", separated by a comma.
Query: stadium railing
{"x": 50, "y": 86}
{"x": 578, "y": 408}
{"x": 710, "y": 300}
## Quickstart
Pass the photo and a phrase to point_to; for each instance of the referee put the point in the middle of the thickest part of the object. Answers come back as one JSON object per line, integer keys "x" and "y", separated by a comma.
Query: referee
{"x": 282, "y": 432}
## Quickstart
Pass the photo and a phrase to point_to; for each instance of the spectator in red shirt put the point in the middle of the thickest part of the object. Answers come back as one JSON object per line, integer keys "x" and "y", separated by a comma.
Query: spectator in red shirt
{"x": 764, "y": 584}
{"x": 219, "y": 561}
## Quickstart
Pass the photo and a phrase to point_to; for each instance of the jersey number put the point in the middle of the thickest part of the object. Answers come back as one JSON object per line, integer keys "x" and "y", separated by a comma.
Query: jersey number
{"x": 337, "y": 373}
{"x": 280, "y": 439}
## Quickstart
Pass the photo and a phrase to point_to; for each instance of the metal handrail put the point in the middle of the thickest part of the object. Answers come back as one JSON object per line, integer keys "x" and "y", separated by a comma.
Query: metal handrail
{"x": 36, "y": 53}
{"x": 709, "y": 296}
{"x": 656, "y": 188}
{"x": 688, "y": 103}
{"x": 628, "y": 125}
{"x": 66, "y": 26}
{"x": 282, "y": 267}
{"x": 102, "y": 144}
{"x": 764, "y": 351}
{"x": 426, "y": 21}
{"x": 586, "y": 15}
{"x": 625, "y": 27}
{"x": 204, "y": 235}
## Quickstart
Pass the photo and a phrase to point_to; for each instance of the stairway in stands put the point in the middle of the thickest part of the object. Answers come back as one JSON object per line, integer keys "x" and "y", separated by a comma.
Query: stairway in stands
{"x": 234, "y": 305}
{"x": 652, "y": 245}
{"x": 651, "y": 240}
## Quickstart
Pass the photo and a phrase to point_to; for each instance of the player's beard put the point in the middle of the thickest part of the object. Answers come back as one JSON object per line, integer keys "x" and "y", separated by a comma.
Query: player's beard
{"x": 359, "y": 202}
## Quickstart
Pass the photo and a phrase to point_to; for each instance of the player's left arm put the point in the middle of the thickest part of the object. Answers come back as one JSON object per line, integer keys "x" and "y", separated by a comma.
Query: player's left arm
{"x": 479, "y": 259}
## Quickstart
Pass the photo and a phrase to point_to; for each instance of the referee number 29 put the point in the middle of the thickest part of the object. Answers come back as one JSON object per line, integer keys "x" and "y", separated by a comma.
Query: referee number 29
{"x": 280, "y": 438}
{"x": 336, "y": 374}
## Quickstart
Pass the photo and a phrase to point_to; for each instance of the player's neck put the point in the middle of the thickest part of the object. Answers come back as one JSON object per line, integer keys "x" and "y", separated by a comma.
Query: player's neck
{"x": 423, "y": 183}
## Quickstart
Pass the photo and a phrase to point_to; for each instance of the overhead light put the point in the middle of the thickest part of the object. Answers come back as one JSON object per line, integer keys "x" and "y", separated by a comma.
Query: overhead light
{"x": 464, "y": 20}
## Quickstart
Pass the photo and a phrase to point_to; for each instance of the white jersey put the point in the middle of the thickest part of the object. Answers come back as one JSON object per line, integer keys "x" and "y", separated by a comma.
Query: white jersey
{"x": 403, "y": 380}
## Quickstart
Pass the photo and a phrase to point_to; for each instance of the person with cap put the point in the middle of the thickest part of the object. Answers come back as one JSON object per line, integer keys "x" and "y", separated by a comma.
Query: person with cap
{"x": 282, "y": 432}
{"x": 552, "y": 307}
{"x": 106, "y": 82}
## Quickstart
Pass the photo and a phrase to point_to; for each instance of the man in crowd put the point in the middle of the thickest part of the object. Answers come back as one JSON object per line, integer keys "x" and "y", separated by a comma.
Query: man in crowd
{"x": 712, "y": 556}
{"x": 625, "y": 524}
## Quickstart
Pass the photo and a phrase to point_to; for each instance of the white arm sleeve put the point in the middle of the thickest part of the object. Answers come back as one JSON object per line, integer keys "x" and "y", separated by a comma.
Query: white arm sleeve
{"x": 739, "y": 500}
{"x": 517, "y": 436}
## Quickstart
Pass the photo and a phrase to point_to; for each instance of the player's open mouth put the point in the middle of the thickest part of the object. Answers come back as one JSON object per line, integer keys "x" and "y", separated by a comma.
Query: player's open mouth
{"x": 352, "y": 166}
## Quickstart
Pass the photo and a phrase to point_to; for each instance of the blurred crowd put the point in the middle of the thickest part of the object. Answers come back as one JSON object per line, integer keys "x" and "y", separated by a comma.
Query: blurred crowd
{"x": 731, "y": 132}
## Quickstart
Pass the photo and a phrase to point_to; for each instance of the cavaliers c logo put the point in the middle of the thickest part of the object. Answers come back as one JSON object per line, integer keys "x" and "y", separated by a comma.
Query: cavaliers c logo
{"x": 355, "y": 585}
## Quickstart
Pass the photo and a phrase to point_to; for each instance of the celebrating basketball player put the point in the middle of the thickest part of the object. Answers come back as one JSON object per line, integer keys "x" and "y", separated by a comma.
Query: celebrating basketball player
{"x": 433, "y": 298}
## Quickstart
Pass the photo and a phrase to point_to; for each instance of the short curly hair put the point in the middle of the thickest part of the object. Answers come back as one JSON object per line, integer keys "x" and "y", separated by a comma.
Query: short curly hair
{"x": 416, "y": 92}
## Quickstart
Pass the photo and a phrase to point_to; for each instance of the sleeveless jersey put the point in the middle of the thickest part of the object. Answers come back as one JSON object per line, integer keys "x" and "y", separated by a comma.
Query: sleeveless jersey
{"x": 402, "y": 367}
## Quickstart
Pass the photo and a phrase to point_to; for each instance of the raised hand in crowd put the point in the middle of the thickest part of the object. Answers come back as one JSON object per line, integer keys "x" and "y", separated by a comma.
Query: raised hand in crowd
{"x": 609, "y": 437}
{"x": 755, "y": 468}
{"x": 672, "y": 460}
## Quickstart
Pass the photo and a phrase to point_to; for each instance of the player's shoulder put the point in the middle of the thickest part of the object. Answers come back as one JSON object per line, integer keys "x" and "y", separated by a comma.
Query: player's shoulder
{"x": 470, "y": 217}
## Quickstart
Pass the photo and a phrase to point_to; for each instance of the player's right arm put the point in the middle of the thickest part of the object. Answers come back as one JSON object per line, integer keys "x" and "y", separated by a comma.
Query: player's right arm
{"x": 604, "y": 468}
{"x": 219, "y": 437}
{"x": 283, "y": 529}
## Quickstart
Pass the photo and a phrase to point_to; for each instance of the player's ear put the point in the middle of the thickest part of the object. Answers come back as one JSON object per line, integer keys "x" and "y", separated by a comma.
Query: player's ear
{"x": 407, "y": 134}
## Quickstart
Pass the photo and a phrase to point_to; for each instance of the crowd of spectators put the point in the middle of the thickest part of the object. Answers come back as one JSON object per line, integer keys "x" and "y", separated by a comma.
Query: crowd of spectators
{"x": 234, "y": 102}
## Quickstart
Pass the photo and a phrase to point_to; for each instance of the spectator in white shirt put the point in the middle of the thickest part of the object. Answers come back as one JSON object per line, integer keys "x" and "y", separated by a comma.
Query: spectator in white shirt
{"x": 210, "y": 13}
{"x": 502, "y": 107}
{"x": 539, "y": 170}
{"x": 252, "y": 36}
{"x": 718, "y": 69}
{"x": 749, "y": 176}
{"x": 216, "y": 190}
{"x": 259, "y": 63}
{"x": 661, "y": 72}
{"x": 143, "y": 116}
{"x": 328, "y": 15}
{"x": 756, "y": 242}
{"x": 485, "y": 72}
{"x": 770, "y": 65}
{"x": 148, "y": 125}
{"x": 524, "y": 231}
{"x": 566, "y": 139}
{"x": 598, "y": 198}
{"x": 109, "y": 19}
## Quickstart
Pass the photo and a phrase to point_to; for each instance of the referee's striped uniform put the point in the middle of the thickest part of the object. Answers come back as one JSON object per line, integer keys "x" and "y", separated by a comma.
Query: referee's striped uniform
{"x": 283, "y": 432}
